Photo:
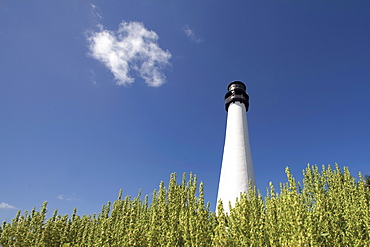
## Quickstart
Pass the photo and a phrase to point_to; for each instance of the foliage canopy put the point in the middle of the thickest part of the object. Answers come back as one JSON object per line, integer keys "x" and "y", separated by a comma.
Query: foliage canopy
{"x": 329, "y": 208}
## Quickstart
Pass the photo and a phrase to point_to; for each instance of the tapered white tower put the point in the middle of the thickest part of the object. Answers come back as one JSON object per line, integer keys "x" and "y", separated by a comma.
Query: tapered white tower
{"x": 237, "y": 166}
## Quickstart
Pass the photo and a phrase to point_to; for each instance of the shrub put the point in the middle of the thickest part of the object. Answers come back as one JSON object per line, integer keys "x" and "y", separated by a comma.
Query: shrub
{"x": 329, "y": 208}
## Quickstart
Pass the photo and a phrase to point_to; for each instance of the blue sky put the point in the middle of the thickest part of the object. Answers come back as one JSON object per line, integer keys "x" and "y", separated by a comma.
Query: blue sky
{"x": 96, "y": 96}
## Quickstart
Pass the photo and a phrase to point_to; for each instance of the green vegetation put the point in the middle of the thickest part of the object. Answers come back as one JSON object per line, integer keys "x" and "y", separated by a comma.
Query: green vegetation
{"x": 329, "y": 208}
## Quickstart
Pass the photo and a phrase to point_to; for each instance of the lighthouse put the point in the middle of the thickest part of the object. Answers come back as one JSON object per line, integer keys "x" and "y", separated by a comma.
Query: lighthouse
{"x": 237, "y": 166}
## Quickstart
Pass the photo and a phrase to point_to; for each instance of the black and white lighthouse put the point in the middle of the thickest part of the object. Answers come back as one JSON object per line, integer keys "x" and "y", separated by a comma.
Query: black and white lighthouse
{"x": 237, "y": 166}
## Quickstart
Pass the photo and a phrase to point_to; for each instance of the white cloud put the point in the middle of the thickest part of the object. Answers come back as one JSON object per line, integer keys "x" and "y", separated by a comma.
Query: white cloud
{"x": 131, "y": 47}
{"x": 7, "y": 206}
{"x": 95, "y": 11}
{"x": 92, "y": 77}
{"x": 191, "y": 34}
{"x": 67, "y": 198}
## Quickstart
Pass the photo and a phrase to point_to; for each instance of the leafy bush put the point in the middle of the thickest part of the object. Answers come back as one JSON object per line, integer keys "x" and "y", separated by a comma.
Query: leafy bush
{"x": 329, "y": 208}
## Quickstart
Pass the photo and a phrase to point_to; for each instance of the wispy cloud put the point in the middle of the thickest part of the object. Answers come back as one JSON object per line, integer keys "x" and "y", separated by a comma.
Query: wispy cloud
{"x": 7, "y": 206}
{"x": 67, "y": 198}
{"x": 131, "y": 47}
{"x": 92, "y": 76}
{"x": 95, "y": 11}
{"x": 191, "y": 34}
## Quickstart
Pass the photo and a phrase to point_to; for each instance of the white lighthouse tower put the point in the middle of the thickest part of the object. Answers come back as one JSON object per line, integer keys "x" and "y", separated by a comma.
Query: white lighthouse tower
{"x": 237, "y": 166}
